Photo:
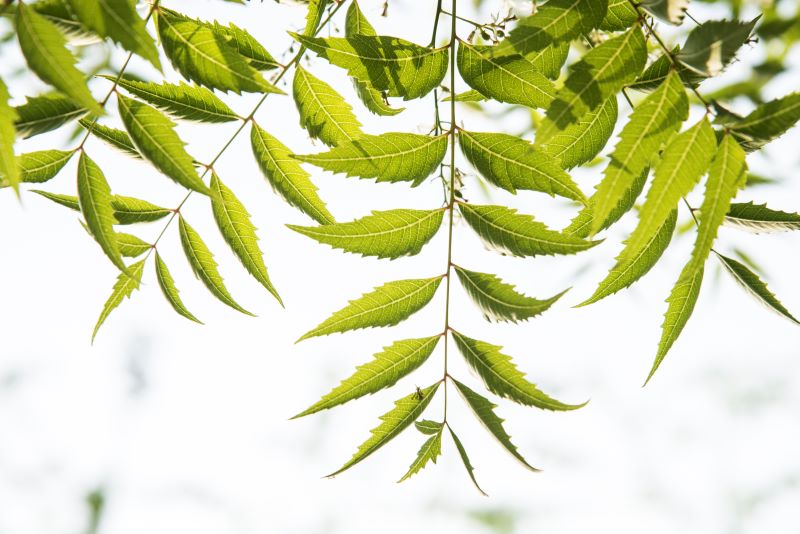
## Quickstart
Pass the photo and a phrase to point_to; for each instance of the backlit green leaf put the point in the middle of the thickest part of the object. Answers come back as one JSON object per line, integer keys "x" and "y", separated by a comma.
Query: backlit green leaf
{"x": 462, "y": 452}
{"x": 9, "y": 173}
{"x": 713, "y": 44}
{"x": 385, "y": 234}
{"x": 507, "y": 231}
{"x": 429, "y": 452}
{"x": 286, "y": 176}
{"x": 386, "y": 305}
{"x": 130, "y": 210}
{"x": 124, "y": 287}
{"x": 383, "y": 371}
{"x": 68, "y": 201}
{"x": 502, "y": 377}
{"x": 620, "y": 16}
{"x": 758, "y": 218}
{"x": 43, "y": 165}
{"x": 167, "y": 285}
{"x": 116, "y": 138}
{"x": 94, "y": 197}
{"x": 131, "y": 246}
{"x": 405, "y": 412}
{"x": 323, "y": 112}
{"x": 768, "y": 121}
{"x": 239, "y": 232}
{"x": 154, "y": 136}
{"x": 389, "y": 157}
{"x": 44, "y": 113}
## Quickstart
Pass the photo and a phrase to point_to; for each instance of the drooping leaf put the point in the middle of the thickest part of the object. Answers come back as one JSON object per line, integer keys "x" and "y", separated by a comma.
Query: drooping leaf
{"x": 429, "y": 452}
{"x": 9, "y": 173}
{"x": 462, "y": 452}
{"x": 767, "y": 122}
{"x": 94, "y": 197}
{"x": 383, "y": 371}
{"x": 725, "y": 177}
{"x": 117, "y": 20}
{"x": 167, "y": 285}
{"x": 124, "y": 287}
{"x": 405, "y": 412}
{"x": 239, "y": 232}
{"x": 181, "y": 100}
{"x": 68, "y": 201}
{"x": 154, "y": 136}
{"x": 428, "y": 427}
{"x": 130, "y": 210}
{"x": 483, "y": 409}
{"x": 389, "y": 157}
{"x": 44, "y": 48}
{"x": 505, "y": 78}
{"x": 601, "y": 73}
{"x": 758, "y": 218}
{"x": 507, "y": 231}
{"x": 384, "y": 234}
{"x": 116, "y": 138}
{"x": 583, "y": 140}
{"x": 386, "y": 305}
{"x": 42, "y": 165}
{"x": 286, "y": 176}
{"x": 502, "y": 377}
{"x": 682, "y": 164}
{"x": 204, "y": 266}
{"x": 651, "y": 124}
{"x": 512, "y": 163}
{"x": 131, "y": 246}
{"x": 751, "y": 283}
{"x": 498, "y": 300}
{"x": 44, "y": 113}
{"x": 544, "y": 37}
{"x": 204, "y": 56}
{"x": 323, "y": 112}
{"x": 713, "y": 44}
{"x": 390, "y": 64}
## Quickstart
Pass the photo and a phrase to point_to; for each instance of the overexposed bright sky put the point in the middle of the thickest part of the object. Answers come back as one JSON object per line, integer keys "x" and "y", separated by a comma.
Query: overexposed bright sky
{"x": 186, "y": 428}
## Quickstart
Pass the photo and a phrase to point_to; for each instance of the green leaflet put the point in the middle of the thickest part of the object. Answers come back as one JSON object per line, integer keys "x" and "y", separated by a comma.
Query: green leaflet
{"x": 767, "y": 122}
{"x": 323, "y": 112}
{"x": 620, "y": 16}
{"x": 131, "y": 246}
{"x": 130, "y": 210}
{"x": 506, "y": 78}
{"x": 59, "y": 13}
{"x": 124, "y": 287}
{"x": 153, "y": 134}
{"x": 44, "y": 48}
{"x": 601, "y": 73}
{"x": 502, "y": 377}
{"x": 167, "y": 285}
{"x": 116, "y": 138}
{"x": 672, "y": 11}
{"x": 583, "y": 140}
{"x": 758, "y": 218}
{"x": 467, "y": 96}
{"x": 286, "y": 176}
{"x": 483, "y": 409}
{"x": 244, "y": 43}
{"x": 9, "y": 174}
{"x": 389, "y": 157}
{"x": 428, "y": 427}
{"x": 356, "y": 23}
{"x": 512, "y": 163}
{"x": 713, "y": 44}
{"x": 44, "y": 113}
{"x": 390, "y": 64}
{"x": 94, "y": 197}
{"x": 204, "y": 56}
{"x": 204, "y": 266}
{"x": 498, "y": 300}
{"x": 405, "y": 412}
{"x": 117, "y": 20}
{"x": 544, "y": 37}
{"x": 726, "y": 175}
{"x": 651, "y": 124}
{"x": 239, "y": 232}
{"x": 513, "y": 233}
{"x": 386, "y": 305}
{"x": 68, "y": 201}
{"x": 316, "y": 10}
{"x": 384, "y": 234}
{"x": 635, "y": 262}
{"x": 385, "y": 369}
{"x": 462, "y": 452}
{"x": 43, "y": 165}
{"x": 755, "y": 286}
{"x": 682, "y": 164}
{"x": 429, "y": 452}
{"x": 180, "y": 100}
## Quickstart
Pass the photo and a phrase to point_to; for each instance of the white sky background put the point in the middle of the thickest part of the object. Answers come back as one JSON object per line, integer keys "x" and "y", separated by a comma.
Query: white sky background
{"x": 186, "y": 427}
